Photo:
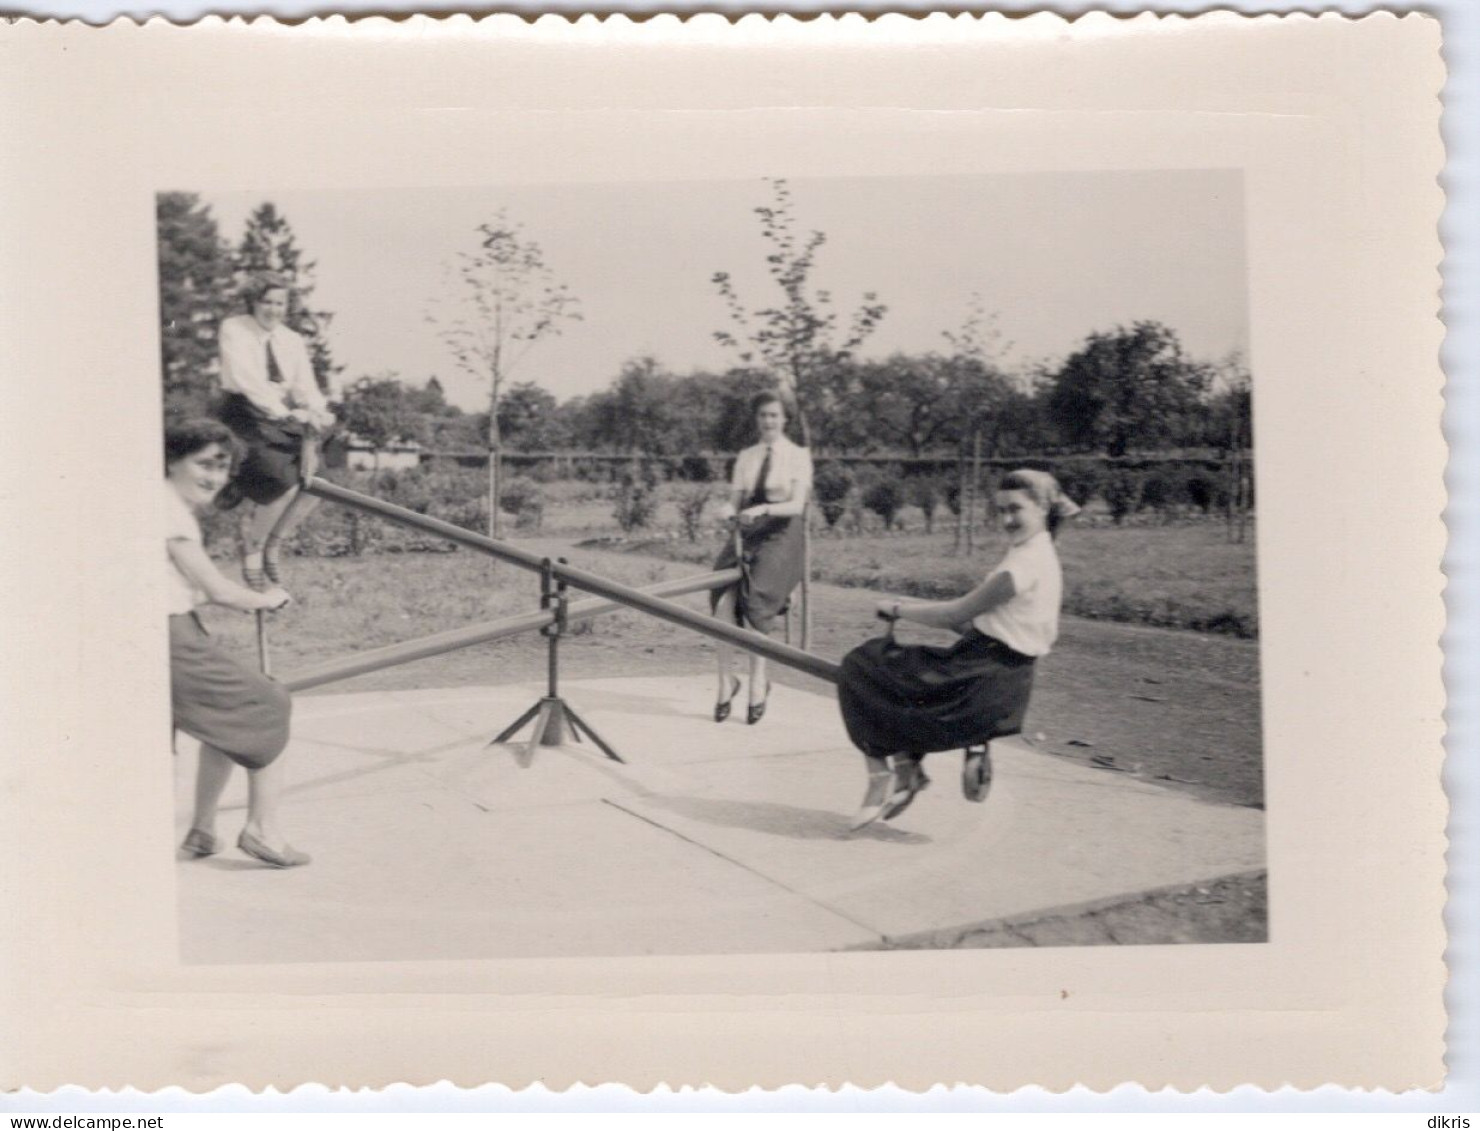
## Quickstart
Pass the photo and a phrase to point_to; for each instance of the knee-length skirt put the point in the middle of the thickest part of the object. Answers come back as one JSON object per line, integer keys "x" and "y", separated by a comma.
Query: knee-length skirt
{"x": 770, "y": 562}
{"x": 223, "y": 703}
{"x": 273, "y": 463}
{"x": 919, "y": 699}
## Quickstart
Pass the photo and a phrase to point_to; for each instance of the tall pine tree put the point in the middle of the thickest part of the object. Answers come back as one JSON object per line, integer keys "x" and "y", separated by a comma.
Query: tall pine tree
{"x": 195, "y": 282}
{"x": 268, "y": 244}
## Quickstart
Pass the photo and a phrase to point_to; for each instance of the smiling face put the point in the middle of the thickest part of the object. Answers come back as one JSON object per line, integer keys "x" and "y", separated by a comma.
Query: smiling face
{"x": 271, "y": 308}
{"x": 1020, "y": 515}
{"x": 770, "y": 421}
{"x": 200, "y": 476}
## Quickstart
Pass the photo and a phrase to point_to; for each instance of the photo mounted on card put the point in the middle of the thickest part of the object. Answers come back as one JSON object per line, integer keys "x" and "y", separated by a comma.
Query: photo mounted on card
{"x": 616, "y": 557}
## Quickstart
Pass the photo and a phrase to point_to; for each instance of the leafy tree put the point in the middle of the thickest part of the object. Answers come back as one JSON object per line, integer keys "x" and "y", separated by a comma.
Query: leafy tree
{"x": 194, "y": 294}
{"x": 381, "y": 410}
{"x": 731, "y": 423}
{"x": 528, "y": 420}
{"x": 639, "y": 412}
{"x": 268, "y": 244}
{"x": 799, "y": 340}
{"x": 458, "y": 431}
{"x": 908, "y": 401}
{"x": 502, "y": 300}
{"x": 1130, "y": 387}
{"x": 432, "y": 400}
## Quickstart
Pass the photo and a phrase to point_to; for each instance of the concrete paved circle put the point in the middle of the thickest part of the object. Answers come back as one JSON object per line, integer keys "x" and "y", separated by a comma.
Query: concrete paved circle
{"x": 429, "y": 844}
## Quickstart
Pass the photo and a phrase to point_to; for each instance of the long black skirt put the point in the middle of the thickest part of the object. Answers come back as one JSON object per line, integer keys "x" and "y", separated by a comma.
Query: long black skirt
{"x": 771, "y": 558}
{"x": 273, "y": 463}
{"x": 918, "y": 699}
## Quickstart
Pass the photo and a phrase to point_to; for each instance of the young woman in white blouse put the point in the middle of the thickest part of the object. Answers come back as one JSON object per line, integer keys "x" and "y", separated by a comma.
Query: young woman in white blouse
{"x": 902, "y": 702}
{"x": 273, "y": 404}
{"x": 768, "y": 495}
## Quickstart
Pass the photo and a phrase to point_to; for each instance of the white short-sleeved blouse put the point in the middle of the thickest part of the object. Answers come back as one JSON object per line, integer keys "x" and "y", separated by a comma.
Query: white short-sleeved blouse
{"x": 1029, "y": 621}
{"x": 180, "y": 524}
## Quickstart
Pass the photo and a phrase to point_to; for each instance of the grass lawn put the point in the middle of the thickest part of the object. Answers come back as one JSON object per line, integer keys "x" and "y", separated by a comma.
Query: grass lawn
{"x": 1184, "y": 576}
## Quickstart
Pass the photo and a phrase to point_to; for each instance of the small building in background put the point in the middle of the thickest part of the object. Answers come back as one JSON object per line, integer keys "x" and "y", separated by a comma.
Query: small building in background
{"x": 362, "y": 455}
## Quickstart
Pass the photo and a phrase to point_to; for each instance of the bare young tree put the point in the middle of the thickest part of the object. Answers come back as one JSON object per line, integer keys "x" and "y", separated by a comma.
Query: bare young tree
{"x": 500, "y": 302}
{"x": 799, "y": 339}
{"x": 978, "y": 389}
{"x": 1232, "y": 389}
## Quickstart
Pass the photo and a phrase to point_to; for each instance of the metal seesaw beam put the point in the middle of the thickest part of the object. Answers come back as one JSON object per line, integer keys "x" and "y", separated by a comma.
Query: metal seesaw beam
{"x": 331, "y": 671}
{"x": 581, "y": 579}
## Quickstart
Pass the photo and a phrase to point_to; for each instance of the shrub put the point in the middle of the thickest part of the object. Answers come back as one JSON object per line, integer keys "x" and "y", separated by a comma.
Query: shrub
{"x": 1122, "y": 492}
{"x": 830, "y": 487}
{"x": 636, "y": 497}
{"x": 1165, "y": 488}
{"x": 691, "y": 501}
{"x": 546, "y": 471}
{"x": 884, "y": 497}
{"x": 1207, "y": 490}
{"x": 951, "y": 493}
{"x": 521, "y": 497}
{"x": 695, "y": 469}
{"x": 1082, "y": 479}
{"x": 924, "y": 491}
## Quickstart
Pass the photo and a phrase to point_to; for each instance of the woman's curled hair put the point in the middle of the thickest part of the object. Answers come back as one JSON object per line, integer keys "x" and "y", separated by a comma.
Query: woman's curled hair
{"x": 186, "y": 437}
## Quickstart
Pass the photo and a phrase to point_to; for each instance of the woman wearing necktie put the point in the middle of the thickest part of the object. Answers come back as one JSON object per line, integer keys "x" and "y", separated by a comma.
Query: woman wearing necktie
{"x": 274, "y": 406}
{"x": 769, "y": 489}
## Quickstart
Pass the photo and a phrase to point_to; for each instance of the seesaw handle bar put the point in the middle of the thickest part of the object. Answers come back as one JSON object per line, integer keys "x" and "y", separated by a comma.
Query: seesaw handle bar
{"x": 392, "y": 655}
{"x": 580, "y": 579}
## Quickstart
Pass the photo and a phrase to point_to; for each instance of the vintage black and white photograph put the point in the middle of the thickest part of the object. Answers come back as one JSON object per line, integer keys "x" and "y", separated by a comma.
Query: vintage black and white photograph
{"x": 726, "y": 553}
{"x": 768, "y": 565}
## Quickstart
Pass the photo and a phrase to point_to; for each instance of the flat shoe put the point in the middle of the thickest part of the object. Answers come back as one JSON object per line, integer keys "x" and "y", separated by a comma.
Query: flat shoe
{"x": 906, "y": 787}
{"x": 198, "y": 842}
{"x": 976, "y": 773}
{"x": 880, "y": 791}
{"x": 289, "y": 857}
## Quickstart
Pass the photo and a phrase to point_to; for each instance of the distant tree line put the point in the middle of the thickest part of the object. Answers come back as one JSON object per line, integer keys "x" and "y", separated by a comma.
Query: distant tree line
{"x": 1125, "y": 389}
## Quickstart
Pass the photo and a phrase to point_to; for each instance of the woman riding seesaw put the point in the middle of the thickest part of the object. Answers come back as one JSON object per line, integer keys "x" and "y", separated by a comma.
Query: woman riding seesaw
{"x": 239, "y": 715}
{"x": 901, "y": 702}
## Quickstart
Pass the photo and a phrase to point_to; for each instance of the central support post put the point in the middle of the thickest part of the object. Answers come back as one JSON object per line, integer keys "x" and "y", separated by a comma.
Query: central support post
{"x": 552, "y": 715}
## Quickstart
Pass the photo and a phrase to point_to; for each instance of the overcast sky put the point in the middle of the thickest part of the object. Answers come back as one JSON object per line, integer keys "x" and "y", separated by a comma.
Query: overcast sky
{"x": 1055, "y": 255}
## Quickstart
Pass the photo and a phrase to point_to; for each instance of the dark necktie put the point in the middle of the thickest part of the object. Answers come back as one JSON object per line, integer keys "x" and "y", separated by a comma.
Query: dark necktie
{"x": 274, "y": 371}
{"x": 758, "y": 496}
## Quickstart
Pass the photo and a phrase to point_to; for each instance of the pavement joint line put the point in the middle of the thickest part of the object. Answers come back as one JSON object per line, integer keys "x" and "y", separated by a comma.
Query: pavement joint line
{"x": 870, "y": 928}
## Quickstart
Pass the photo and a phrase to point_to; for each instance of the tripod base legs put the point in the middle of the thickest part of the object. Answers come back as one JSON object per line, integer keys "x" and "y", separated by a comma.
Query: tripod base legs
{"x": 552, "y": 717}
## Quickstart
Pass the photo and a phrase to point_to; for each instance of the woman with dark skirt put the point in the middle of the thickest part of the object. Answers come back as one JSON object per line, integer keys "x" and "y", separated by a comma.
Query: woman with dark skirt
{"x": 768, "y": 493}
{"x": 273, "y": 404}
{"x": 240, "y": 716}
{"x": 902, "y": 702}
